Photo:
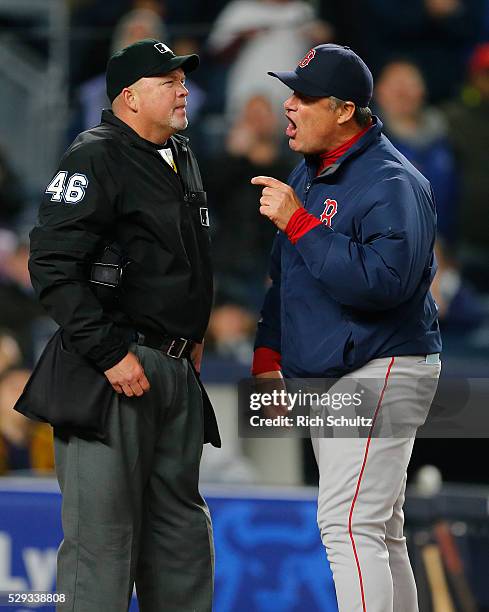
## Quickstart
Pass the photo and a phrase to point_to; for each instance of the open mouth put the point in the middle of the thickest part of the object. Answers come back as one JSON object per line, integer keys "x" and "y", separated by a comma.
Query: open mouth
{"x": 291, "y": 130}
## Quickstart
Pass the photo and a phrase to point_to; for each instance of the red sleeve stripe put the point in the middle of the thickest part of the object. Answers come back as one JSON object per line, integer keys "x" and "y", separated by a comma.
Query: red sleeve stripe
{"x": 299, "y": 224}
{"x": 266, "y": 360}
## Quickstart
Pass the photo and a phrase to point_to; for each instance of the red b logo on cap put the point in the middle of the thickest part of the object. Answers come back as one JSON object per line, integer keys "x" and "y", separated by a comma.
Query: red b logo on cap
{"x": 307, "y": 59}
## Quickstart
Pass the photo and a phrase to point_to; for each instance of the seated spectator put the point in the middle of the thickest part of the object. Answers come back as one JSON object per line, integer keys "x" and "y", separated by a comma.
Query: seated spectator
{"x": 468, "y": 120}
{"x": 253, "y": 36}
{"x": 10, "y": 355}
{"x": 242, "y": 241}
{"x": 20, "y": 311}
{"x": 8, "y": 244}
{"x": 420, "y": 133}
{"x": 432, "y": 33}
{"x": 459, "y": 307}
{"x": 231, "y": 332}
{"x": 24, "y": 444}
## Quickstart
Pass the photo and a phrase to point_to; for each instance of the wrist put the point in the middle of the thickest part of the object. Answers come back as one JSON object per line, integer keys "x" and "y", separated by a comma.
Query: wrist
{"x": 266, "y": 360}
{"x": 299, "y": 224}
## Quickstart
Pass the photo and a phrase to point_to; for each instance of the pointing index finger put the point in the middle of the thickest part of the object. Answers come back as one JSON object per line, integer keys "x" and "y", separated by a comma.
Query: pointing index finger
{"x": 267, "y": 181}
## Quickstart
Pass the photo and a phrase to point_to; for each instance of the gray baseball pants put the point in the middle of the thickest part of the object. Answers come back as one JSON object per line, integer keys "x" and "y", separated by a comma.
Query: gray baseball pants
{"x": 132, "y": 511}
{"x": 362, "y": 486}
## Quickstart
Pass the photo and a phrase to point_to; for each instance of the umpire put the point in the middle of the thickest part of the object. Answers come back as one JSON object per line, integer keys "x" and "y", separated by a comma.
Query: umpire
{"x": 132, "y": 511}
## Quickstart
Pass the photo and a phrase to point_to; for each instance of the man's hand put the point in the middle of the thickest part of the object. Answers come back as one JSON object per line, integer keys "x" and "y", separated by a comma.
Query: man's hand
{"x": 274, "y": 381}
{"x": 278, "y": 200}
{"x": 196, "y": 356}
{"x": 128, "y": 376}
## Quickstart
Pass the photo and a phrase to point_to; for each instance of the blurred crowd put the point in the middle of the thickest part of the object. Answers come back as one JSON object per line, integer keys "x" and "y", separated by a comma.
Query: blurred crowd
{"x": 430, "y": 59}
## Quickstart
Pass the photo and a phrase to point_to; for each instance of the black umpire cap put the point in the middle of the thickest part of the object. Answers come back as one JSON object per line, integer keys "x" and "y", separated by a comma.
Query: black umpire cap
{"x": 145, "y": 58}
{"x": 331, "y": 70}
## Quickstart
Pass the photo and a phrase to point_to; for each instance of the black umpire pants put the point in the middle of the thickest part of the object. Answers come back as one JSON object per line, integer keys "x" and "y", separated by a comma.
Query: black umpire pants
{"x": 132, "y": 511}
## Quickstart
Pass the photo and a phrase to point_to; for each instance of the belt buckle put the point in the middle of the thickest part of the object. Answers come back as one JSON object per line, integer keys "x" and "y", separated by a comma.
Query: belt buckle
{"x": 181, "y": 343}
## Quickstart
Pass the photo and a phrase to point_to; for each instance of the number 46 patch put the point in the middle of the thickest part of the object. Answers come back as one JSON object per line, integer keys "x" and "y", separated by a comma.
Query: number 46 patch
{"x": 72, "y": 193}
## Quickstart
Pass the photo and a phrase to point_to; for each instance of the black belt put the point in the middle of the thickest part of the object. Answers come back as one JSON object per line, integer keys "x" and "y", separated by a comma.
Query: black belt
{"x": 178, "y": 348}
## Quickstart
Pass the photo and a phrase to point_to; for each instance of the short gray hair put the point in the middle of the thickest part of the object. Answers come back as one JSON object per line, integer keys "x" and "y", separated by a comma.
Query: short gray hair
{"x": 362, "y": 114}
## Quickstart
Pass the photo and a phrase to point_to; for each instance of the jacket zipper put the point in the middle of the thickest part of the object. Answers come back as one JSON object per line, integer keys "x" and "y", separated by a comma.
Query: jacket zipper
{"x": 306, "y": 192}
{"x": 307, "y": 188}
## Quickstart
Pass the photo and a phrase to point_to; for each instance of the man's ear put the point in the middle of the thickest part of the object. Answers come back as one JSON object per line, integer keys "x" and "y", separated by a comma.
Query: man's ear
{"x": 130, "y": 98}
{"x": 346, "y": 112}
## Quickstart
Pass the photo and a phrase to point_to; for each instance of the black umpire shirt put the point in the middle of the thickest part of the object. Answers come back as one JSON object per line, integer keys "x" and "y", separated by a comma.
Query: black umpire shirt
{"x": 113, "y": 185}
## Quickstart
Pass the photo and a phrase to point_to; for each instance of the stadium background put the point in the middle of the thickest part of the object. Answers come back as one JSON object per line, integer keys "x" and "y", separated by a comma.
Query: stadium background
{"x": 431, "y": 64}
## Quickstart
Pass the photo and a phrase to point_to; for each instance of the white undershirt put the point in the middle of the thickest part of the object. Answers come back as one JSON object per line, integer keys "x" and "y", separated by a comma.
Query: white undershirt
{"x": 167, "y": 155}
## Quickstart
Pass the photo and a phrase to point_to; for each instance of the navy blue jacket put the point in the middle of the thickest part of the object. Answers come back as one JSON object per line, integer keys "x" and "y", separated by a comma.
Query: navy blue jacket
{"x": 358, "y": 289}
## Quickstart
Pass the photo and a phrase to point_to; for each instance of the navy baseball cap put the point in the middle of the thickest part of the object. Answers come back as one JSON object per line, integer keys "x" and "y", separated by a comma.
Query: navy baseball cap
{"x": 145, "y": 58}
{"x": 331, "y": 70}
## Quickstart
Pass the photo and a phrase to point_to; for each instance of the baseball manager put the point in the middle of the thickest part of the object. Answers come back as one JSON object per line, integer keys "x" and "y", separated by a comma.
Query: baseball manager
{"x": 132, "y": 511}
{"x": 352, "y": 265}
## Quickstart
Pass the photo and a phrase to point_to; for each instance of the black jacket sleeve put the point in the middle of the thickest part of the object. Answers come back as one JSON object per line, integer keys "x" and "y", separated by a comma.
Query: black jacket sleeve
{"x": 75, "y": 220}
